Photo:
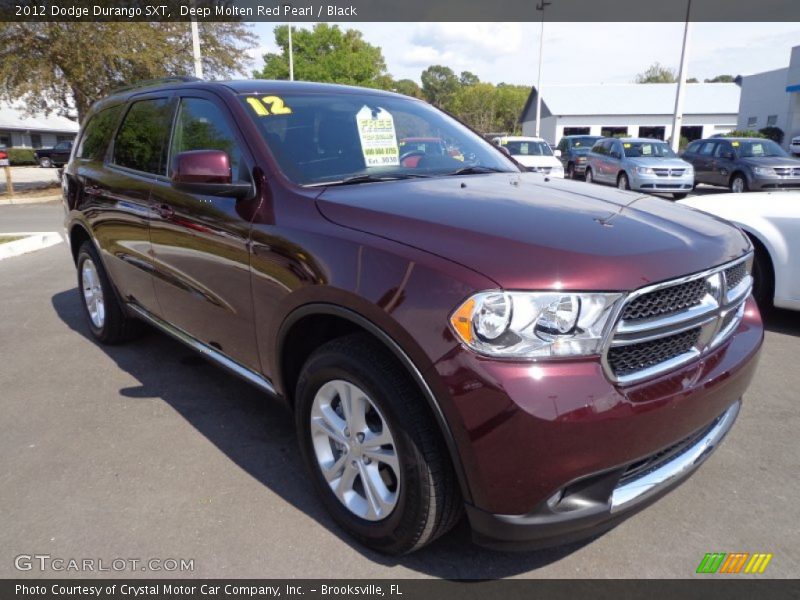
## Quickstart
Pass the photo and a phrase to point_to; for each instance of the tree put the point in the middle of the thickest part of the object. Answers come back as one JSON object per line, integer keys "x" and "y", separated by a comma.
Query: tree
{"x": 467, "y": 78}
{"x": 439, "y": 85}
{"x": 721, "y": 79}
{"x": 656, "y": 73}
{"x": 65, "y": 67}
{"x": 774, "y": 133}
{"x": 476, "y": 105}
{"x": 408, "y": 87}
{"x": 326, "y": 54}
{"x": 692, "y": 80}
{"x": 510, "y": 102}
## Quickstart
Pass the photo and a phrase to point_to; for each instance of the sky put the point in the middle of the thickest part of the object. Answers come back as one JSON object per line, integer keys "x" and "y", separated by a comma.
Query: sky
{"x": 574, "y": 53}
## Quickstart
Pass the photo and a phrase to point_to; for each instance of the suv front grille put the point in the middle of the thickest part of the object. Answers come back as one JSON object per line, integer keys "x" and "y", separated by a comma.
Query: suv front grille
{"x": 665, "y": 301}
{"x": 632, "y": 358}
{"x": 664, "y": 326}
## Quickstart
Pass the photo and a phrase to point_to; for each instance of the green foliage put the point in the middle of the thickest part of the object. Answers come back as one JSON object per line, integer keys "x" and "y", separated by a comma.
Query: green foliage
{"x": 692, "y": 80}
{"x": 439, "y": 85}
{"x": 65, "y": 67}
{"x": 721, "y": 79}
{"x": 21, "y": 156}
{"x": 745, "y": 133}
{"x": 467, "y": 78}
{"x": 408, "y": 87}
{"x": 773, "y": 133}
{"x": 656, "y": 73}
{"x": 326, "y": 54}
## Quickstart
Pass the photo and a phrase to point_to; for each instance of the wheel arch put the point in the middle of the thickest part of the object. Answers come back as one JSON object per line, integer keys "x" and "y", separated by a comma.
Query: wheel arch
{"x": 342, "y": 321}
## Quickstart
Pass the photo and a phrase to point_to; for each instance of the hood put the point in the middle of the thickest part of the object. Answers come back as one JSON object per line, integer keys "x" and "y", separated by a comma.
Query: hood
{"x": 771, "y": 161}
{"x": 527, "y": 233}
{"x": 662, "y": 163}
{"x": 537, "y": 161}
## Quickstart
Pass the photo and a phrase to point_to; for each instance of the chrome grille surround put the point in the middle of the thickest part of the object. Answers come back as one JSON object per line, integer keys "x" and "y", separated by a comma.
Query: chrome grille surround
{"x": 640, "y": 347}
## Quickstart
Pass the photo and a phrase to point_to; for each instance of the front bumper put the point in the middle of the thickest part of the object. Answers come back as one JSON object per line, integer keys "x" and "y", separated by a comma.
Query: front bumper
{"x": 593, "y": 505}
{"x": 654, "y": 183}
{"x": 774, "y": 183}
{"x": 551, "y": 449}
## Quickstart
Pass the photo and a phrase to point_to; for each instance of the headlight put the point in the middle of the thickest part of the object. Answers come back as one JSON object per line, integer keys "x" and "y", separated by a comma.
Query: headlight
{"x": 764, "y": 171}
{"x": 534, "y": 324}
{"x": 644, "y": 171}
{"x": 689, "y": 170}
{"x": 557, "y": 171}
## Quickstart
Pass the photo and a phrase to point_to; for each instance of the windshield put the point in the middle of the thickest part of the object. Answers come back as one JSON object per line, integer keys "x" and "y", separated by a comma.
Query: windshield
{"x": 647, "y": 150}
{"x": 321, "y": 139}
{"x": 586, "y": 142}
{"x": 757, "y": 148}
{"x": 528, "y": 148}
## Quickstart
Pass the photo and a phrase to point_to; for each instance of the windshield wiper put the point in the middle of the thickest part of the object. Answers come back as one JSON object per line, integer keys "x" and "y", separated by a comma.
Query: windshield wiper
{"x": 356, "y": 179}
{"x": 477, "y": 170}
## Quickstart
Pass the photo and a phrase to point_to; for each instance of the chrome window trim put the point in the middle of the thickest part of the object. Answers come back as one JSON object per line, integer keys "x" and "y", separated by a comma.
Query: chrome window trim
{"x": 709, "y": 316}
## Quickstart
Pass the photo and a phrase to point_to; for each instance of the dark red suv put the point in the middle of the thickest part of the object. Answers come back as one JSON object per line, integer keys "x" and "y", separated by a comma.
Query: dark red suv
{"x": 454, "y": 335}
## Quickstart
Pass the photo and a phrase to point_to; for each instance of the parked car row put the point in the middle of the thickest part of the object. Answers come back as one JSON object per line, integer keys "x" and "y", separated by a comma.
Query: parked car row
{"x": 649, "y": 165}
{"x": 533, "y": 153}
{"x": 57, "y": 156}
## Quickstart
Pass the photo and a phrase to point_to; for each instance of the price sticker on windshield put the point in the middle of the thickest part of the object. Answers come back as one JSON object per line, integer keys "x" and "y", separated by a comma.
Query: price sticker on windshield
{"x": 378, "y": 137}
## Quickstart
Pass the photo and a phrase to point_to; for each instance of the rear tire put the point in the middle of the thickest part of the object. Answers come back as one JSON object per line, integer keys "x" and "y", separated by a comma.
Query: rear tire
{"x": 107, "y": 321}
{"x": 417, "y": 487}
{"x": 589, "y": 178}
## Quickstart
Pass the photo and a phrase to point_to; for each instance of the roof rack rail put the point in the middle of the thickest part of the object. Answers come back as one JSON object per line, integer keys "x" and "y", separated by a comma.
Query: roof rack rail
{"x": 160, "y": 80}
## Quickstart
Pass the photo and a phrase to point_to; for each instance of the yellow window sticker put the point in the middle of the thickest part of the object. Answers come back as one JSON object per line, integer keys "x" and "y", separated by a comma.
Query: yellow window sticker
{"x": 268, "y": 105}
{"x": 734, "y": 144}
{"x": 627, "y": 145}
{"x": 378, "y": 137}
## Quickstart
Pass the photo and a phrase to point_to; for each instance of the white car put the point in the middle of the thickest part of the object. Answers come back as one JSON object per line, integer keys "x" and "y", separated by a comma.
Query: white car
{"x": 772, "y": 221}
{"x": 533, "y": 153}
{"x": 794, "y": 147}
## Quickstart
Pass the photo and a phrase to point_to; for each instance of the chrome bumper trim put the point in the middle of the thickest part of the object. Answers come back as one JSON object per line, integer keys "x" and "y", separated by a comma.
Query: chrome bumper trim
{"x": 676, "y": 469}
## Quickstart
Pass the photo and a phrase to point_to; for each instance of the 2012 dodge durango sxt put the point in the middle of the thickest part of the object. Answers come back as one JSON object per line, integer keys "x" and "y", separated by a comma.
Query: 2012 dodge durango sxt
{"x": 453, "y": 334}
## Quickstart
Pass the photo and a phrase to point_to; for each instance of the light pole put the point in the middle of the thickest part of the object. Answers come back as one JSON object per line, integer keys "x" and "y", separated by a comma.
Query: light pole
{"x": 541, "y": 6}
{"x": 291, "y": 55}
{"x": 677, "y": 118}
{"x": 198, "y": 59}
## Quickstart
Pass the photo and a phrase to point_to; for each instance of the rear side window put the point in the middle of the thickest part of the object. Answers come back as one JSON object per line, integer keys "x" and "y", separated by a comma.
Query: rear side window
{"x": 200, "y": 126}
{"x": 142, "y": 140}
{"x": 97, "y": 133}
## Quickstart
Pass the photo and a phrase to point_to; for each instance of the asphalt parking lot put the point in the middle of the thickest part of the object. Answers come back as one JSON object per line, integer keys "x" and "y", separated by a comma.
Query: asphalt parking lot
{"x": 147, "y": 451}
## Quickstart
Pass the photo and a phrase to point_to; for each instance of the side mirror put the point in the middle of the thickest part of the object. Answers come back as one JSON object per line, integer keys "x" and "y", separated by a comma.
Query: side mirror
{"x": 505, "y": 150}
{"x": 557, "y": 153}
{"x": 206, "y": 172}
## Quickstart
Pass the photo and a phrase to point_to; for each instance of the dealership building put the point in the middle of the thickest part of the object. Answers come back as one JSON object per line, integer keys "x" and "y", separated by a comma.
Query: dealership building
{"x": 21, "y": 130}
{"x": 772, "y": 99}
{"x": 632, "y": 109}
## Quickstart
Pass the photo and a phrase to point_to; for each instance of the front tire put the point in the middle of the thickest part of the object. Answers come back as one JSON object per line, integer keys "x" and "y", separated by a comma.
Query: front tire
{"x": 107, "y": 321}
{"x": 622, "y": 182}
{"x": 763, "y": 277}
{"x": 589, "y": 177}
{"x": 45, "y": 162}
{"x": 570, "y": 172}
{"x": 372, "y": 447}
{"x": 679, "y": 195}
{"x": 738, "y": 184}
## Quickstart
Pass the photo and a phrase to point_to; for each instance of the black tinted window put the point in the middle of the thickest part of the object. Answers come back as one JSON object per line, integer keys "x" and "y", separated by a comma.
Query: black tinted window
{"x": 97, "y": 133}
{"x": 141, "y": 142}
{"x": 200, "y": 126}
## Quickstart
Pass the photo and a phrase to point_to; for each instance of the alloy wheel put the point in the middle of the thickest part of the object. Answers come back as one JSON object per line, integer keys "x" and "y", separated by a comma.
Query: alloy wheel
{"x": 355, "y": 450}
{"x": 93, "y": 293}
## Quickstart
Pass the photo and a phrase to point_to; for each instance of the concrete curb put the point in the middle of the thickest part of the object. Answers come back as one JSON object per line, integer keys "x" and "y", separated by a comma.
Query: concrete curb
{"x": 30, "y": 243}
{"x": 25, "y": 199}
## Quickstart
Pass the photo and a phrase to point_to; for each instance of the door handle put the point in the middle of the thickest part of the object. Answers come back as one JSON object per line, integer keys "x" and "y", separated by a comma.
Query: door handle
{"x": 165, "y": 211}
